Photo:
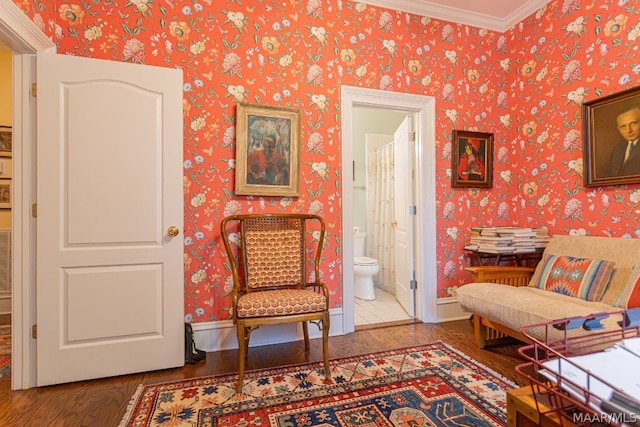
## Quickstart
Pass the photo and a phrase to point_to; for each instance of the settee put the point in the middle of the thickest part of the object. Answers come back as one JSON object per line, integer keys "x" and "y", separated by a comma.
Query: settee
{"x": 504, "y": 299}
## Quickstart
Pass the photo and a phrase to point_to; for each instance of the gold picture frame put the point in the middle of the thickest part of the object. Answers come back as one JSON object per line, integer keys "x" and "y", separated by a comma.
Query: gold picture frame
{"x": 471, "y": 159}
{"x": 6, "y": 141}
{"x": 608, "y": 123}
{"x": 267, "y": 151}
{"x": 5, "y": 194}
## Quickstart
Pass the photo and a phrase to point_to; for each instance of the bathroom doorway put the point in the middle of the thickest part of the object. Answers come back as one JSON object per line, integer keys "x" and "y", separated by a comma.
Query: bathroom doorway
{"x": 375, "y": 157}
{"x": 422, "y": 108}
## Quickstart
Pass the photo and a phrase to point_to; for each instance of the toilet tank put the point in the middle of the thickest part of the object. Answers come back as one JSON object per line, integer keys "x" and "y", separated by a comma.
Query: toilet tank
{"x": 358, "y": 244}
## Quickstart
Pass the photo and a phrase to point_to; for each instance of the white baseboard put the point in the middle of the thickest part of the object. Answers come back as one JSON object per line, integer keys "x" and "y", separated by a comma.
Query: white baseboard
{"x": 216, "y": 336}
{"x": 5, "y": 304}
{"x": 449, "y": 309}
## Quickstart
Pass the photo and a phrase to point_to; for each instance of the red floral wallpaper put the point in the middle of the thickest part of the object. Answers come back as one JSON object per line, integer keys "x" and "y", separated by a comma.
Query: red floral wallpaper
{"x": 526, "y": 86}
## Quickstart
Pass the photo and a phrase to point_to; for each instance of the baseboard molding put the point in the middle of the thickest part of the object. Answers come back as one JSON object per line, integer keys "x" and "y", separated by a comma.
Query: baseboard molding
{"x": 216, "y": 336}
{"x": 448, "y": 309}
{"x": 5, "y": 304}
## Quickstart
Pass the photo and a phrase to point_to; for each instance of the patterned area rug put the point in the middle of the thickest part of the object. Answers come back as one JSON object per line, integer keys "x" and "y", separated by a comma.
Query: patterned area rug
{"x": 5, "y": 351}
{"x": 430, "y": 385}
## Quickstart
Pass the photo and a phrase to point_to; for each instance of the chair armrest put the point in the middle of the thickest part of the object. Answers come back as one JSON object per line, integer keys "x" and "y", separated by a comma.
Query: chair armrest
{"x": 320, "y": 287}
{"x": 512, "y": 276}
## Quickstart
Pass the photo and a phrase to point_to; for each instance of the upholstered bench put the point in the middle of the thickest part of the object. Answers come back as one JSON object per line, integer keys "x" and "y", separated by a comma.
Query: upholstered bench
{"x": 577, "y": 276}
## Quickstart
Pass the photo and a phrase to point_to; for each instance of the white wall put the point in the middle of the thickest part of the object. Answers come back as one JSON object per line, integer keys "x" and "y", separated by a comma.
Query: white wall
{"x": 367, "y": 120}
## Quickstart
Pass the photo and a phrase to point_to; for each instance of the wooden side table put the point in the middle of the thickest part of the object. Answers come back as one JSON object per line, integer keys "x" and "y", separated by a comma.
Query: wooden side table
{"x": 522, "y": 410}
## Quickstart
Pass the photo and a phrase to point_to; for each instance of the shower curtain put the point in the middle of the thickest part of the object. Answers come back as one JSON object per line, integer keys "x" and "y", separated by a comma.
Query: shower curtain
{"x": 380, "y": 214}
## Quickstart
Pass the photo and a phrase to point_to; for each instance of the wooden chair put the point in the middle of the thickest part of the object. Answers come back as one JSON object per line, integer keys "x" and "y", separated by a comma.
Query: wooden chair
{"x": 270, "y": 256}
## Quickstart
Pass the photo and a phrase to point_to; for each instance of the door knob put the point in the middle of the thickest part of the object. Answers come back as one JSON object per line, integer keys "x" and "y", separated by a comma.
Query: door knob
{"x": 394, "y": 223}
{"x": 173, "y": 231}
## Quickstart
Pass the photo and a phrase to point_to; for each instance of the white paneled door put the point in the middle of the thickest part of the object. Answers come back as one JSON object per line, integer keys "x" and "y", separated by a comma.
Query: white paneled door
{"x": 109, "y": 219}
{"x": 403, "y": 172}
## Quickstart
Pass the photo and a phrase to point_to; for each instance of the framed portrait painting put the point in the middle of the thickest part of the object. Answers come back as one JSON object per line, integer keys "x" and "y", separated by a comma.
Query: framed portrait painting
{"x": 267, "y": 151}
{"x": 471, "y": 159}
{"x": 611, "y": 134}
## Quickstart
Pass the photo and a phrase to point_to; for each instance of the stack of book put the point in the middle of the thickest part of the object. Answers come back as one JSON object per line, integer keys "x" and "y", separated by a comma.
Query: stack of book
{"x": 507, "y": 240}
{"x": 541, "y": 238}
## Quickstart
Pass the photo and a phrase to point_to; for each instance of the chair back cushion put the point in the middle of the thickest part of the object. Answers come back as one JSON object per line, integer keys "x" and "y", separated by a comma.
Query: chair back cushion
{"x": 273, "y": 258}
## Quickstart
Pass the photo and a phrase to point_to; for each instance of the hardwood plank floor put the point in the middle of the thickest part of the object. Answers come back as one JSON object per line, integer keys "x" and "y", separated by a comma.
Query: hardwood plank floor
{"x": 102, "y": 403}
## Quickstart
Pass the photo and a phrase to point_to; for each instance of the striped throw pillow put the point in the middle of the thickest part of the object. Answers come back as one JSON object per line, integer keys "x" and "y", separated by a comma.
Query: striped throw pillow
{"x": 630, "y": 295}
{"x": 582, "y": 278}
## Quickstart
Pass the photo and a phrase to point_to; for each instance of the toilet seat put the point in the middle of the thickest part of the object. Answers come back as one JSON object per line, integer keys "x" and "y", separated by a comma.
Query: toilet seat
{"x": 364, "y": 260}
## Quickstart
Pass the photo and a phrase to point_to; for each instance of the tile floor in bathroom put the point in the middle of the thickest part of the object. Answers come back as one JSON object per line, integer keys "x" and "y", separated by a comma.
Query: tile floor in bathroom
{"x": 385, "y": 308}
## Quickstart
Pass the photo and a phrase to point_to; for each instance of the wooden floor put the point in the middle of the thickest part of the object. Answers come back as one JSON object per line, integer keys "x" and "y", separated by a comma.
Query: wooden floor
{"x": 102, "y": 403}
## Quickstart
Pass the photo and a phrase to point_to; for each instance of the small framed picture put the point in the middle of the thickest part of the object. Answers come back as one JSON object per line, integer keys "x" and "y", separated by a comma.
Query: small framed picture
{"x": 611, "y": 138}
{"x": 5, "y": 194}
{"x": 471, "y": 159}
{"x": 5, "y": 167}
{"x": 6, "y": 141}
{"x": 267, "y": 151}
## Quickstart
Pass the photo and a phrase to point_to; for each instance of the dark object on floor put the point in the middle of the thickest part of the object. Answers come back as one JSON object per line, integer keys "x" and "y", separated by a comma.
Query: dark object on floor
{"x": 191, "y": 353}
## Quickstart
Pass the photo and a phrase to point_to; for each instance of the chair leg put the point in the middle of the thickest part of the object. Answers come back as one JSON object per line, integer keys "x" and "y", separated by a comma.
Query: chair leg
{"x": 325, "y": 346}
{"x": 305, "y": 332}
{"x": 243, "y": 344}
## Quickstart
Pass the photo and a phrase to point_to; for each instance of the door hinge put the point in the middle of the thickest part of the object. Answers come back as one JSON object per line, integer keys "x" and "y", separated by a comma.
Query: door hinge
{"x": 34, "y": 210}
{"x": 34, "y": 331}
{"x": 413, "y": 210}
{"x": 412, "y": 136}
{"x": 34, "y": 90}
{"x": 413, "y": 284}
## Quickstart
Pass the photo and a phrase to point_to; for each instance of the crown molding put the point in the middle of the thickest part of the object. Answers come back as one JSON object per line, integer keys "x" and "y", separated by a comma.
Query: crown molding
{"x": 19, "y": 33}
{"x": 461, "y": 16}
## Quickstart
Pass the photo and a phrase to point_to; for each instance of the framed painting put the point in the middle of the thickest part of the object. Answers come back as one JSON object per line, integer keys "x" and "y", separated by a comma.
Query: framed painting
{"x": 611, "y": 134}
{"x": 5, "y": 167}
{"x": 267, "y": 151}
{"x": 5, "y": 194}
{"x": 471, "y": 159}
{"x": 6, "y": 141}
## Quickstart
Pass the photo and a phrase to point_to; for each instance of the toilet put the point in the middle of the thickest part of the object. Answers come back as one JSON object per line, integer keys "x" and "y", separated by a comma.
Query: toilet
{"x": 364, "y": 268}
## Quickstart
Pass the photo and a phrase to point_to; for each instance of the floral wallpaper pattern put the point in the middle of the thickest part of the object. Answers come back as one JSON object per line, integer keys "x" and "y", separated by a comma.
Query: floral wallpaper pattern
{"x": 526, "y": 86}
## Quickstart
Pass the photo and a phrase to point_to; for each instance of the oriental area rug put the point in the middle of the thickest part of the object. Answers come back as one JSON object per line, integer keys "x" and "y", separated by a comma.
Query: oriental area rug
{"x": 429, "y": 385}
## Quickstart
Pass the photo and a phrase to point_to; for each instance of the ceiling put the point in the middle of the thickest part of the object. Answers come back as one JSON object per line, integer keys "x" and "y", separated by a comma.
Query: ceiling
{"x": 497, "y": 15}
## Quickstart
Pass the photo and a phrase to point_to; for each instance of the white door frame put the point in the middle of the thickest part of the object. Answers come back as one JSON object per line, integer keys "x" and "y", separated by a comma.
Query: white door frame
{"x": 25, "y": 39}
{"x": 423, "y": 107}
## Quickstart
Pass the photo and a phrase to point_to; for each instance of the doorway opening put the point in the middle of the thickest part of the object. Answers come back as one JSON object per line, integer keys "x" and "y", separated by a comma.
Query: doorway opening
{"x": 20, "y": 36}
{"x": 423, "y": 224}
{"x": 374, "y": 217}
{"x": 6, "y": 176}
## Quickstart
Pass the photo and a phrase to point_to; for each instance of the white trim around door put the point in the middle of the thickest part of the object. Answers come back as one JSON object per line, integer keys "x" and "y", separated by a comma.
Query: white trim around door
{"x": 24, "y": 38}
{"x": 423, "y": 108}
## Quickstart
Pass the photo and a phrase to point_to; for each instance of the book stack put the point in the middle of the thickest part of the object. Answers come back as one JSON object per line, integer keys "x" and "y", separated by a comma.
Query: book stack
{"x": 541, "y": 238}
{"x": 507, "y": 240}
{"x": 623, "y": 408}
{"x": 488, "y": 240}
